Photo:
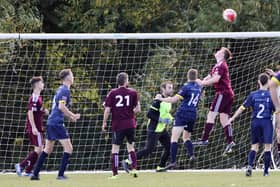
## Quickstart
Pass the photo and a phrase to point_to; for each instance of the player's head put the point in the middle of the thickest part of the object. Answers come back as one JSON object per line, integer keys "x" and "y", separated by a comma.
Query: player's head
{"x": 223, "y": 54}
{"x": 263, "y": 79}
{"x": 66, "y": 75}
{"x": 192, "y": 75}
{"x": 167, "y": 88}
{"x": 37, "y": 82}
{"x": 122, "y": 79}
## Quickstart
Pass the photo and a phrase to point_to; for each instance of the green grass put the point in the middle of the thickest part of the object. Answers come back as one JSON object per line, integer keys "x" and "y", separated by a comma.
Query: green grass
{"x": 170, "y": 179}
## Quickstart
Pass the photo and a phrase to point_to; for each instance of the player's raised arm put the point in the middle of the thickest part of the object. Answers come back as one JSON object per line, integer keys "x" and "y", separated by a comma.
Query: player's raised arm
{"x": 212, "y": 80}
{"x": 173, "y": 99}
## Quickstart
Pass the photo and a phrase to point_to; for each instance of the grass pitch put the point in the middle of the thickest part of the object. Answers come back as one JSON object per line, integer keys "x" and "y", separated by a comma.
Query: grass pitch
{"x": 149, "y": 179}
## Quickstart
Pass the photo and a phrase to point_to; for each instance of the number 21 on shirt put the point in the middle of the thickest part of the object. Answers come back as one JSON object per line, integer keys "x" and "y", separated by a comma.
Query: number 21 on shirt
{"x": 122, "y": 100}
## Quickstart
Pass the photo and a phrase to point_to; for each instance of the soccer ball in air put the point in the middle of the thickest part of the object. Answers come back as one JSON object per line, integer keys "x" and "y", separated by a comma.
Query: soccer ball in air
{"x": 229, "y": 15}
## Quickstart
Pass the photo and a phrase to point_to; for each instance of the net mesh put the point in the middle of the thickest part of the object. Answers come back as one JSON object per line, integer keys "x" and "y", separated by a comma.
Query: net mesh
{"x": 95, "y": 64}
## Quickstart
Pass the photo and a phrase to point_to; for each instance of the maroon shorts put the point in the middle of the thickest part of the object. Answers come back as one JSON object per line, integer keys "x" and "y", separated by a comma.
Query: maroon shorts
{"x": 222, "y": 103}
{"x": 36, "y": 140}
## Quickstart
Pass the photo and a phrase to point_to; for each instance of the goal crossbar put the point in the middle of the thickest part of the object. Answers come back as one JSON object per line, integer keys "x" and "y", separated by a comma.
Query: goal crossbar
{"x": 104, "y": 36}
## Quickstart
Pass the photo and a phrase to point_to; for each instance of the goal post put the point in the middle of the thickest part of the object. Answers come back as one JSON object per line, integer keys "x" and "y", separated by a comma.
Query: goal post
{"x": 149, "y": 59}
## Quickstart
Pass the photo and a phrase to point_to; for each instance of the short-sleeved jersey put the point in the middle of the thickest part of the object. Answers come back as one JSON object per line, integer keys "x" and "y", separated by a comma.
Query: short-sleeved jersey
{"x": 224, "y": 84}
{"x": 122, "y": 101}
{"x": 190, "y": 94}
{"x": 35, "y": 104}
{"x": 276, "y": 78}
{"x": 261, "y": 103}
{"x": 62, "y": 96}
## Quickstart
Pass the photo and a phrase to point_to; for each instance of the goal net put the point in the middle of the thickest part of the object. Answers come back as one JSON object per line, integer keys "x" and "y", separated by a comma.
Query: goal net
{"x": 149, "y": 59}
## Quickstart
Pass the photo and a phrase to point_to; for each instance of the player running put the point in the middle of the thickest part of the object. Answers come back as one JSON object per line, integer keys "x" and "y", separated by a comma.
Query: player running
{"x": 185, "y": 115}
{"x": 123, "y": 102}
{"x": 261, "y": 129}
{"x": 34, "y": 126}
{"x": 159, "y": 117}
{"x": 223, "y": 101}
{"x": 55, "y": 125}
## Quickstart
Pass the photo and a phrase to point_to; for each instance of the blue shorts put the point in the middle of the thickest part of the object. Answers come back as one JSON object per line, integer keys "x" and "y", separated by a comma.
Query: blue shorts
{"x": 57, "y": 132}
{"x": 262, "y": 131}
{"x": 186, "y": 120}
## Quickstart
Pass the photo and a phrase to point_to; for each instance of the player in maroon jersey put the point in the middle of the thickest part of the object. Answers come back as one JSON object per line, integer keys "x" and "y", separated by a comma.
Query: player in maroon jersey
{"x": 123, "y": 102}
{"x": 34, "y": 126}
{"x": 223, "y": 101}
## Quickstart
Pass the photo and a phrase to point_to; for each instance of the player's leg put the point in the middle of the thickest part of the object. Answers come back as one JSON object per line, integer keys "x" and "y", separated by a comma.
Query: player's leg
{"x": 165, "y": 142}
{"x": 227, "y": 132}
{"x": 67, "y": 151}
{"x": 188, "y": 129}
{"x": 278, "y": 144}
{"x": 38, "y": 148}
{"x": 256, "y": 134}
{"x": 130, "y": 137}
{"x": 188, "y": 144}
{"x": 251, "y": 158}
{"x": 212, "y": 114}
{"x": 30, "y": 160}
{"x": 39, "y": 164}
{"x": 267, "y": 129}
{"x": 267, "y": 158}
{"x": 117, "y": 140}
{"x": 176, "y": 133}
{"x": 151, "y": 142}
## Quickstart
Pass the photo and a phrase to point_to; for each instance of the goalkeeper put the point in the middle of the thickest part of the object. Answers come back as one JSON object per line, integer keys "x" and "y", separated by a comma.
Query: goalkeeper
{"x": 159, "y": 117}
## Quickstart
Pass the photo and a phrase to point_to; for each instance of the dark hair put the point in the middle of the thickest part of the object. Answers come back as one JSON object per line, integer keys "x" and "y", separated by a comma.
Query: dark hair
{"x": 192, "y": 74}
{"x": 34, "y": 80}
{"x": 164, "y": 83}
{"x": 122, "y": 78}
{"x": 64, "y": 73}
{"x": 263, "y": 78}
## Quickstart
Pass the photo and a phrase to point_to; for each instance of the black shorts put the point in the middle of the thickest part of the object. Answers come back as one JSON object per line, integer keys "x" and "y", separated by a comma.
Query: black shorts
{"x": 118, "y": 136}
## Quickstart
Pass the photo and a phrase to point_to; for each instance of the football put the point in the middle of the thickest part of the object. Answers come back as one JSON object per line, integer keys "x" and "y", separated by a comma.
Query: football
{"x": 229, "y": 15}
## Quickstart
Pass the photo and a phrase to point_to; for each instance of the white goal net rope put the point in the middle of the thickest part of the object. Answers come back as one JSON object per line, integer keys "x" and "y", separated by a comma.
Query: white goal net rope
{"x": 149, "y": 59}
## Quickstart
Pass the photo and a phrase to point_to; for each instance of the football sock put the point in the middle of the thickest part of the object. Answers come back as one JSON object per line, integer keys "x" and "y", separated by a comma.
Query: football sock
{"x": 251, "y": 157}
{"x": 228, "y": 133}
{"x": 115, "y": 163}
{"x": 207, "y": 130}
{"x": 189, "y": 147}
{"x": 64, "y": 162}
{"x": 267, "y": 159}
{"x": 40, "y": 163}
{"x": 133, "y": 159}
{"x": 174, "y": 147}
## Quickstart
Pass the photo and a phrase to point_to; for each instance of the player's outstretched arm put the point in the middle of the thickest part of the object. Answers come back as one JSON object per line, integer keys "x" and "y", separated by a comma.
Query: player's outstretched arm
{"x": 236, "y": 114}
{"x": 173, "y": 99}
{"x": 212, "y": 80}
{"x": 105, "y": 118}
{"x": 73, "y": 117}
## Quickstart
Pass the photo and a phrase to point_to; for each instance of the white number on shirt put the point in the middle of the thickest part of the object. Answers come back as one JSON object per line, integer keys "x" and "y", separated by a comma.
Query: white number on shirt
{"x": 121, "y": 101}
{"x": 259, "y": 114}
{"x": 194, "y": 99}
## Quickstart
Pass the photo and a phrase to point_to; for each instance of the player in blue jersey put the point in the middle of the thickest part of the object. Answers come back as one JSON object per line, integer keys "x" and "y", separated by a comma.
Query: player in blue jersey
{"x": 261, "y": 129}
{"x": 185, "y": 115}
{"x": 55, "y": 125}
